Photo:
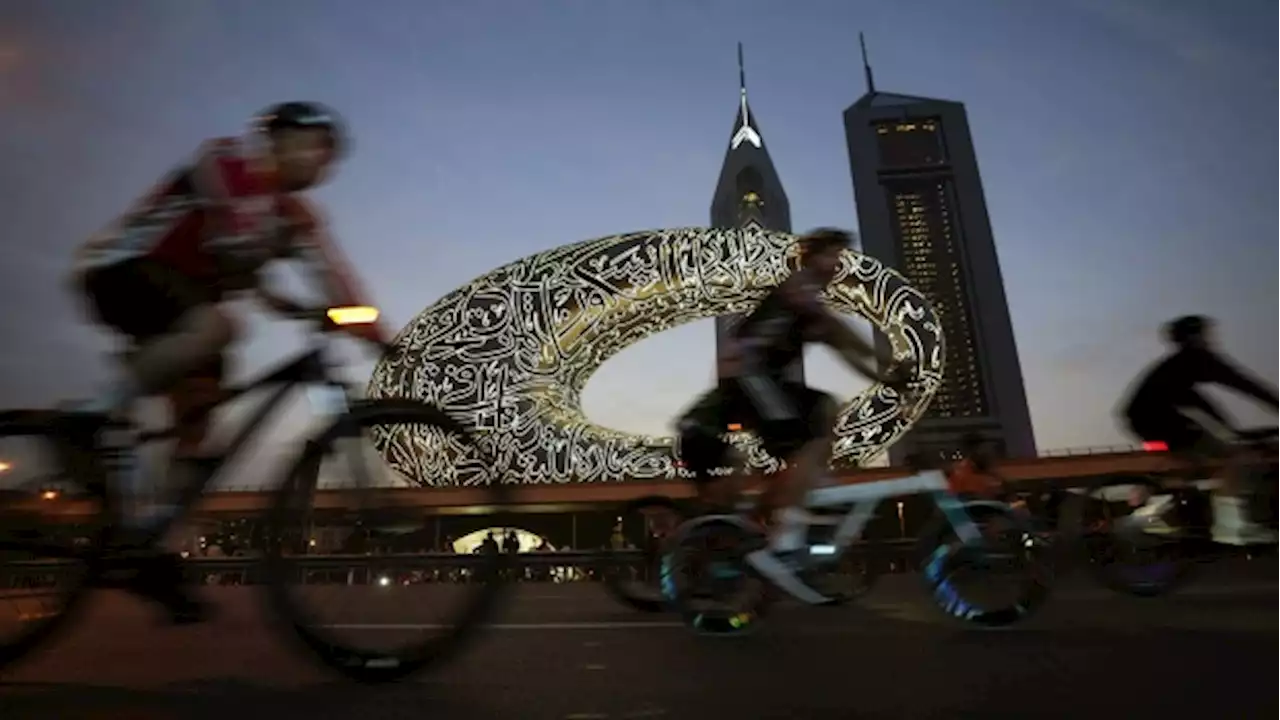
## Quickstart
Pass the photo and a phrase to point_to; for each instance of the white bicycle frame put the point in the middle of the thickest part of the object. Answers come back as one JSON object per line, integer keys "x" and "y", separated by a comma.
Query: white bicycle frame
{"x": 863, "y": 499}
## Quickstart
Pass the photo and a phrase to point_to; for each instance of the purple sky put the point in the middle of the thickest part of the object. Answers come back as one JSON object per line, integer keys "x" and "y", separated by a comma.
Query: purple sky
{"x": 1125, "y": 147}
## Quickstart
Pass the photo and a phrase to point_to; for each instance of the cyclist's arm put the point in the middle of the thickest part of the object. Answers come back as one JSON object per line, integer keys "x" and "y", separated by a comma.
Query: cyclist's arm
{"x": 331, "y": 269}
{"x": 1224, "y": 373}
{"x": 830, "y": 329}
{"x": 856, "y": 352}
{"x": 1195, "y": 401}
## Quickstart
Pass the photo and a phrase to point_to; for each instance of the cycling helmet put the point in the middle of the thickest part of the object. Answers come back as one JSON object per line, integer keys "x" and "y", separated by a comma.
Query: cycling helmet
{"x": 823, "y": 238}
{"x": 302, "y": 115}
{"x": 1186, "y": 328}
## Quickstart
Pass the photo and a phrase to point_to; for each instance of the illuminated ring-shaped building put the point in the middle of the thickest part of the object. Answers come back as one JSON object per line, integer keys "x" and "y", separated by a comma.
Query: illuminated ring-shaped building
{"x": 510, "y": 352}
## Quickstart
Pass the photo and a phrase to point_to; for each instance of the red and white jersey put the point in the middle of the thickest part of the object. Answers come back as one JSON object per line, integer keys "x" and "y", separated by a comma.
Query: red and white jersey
{"x": 218, "y": 199}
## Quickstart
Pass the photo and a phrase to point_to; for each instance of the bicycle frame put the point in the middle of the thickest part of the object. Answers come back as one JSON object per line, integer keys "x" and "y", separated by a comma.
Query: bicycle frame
{"x": 863, "y": 499}
{"x": 329, "y": 398}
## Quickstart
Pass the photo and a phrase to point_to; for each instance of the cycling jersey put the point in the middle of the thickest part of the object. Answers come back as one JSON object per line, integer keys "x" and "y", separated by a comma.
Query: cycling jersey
{"x": 215, "y": 204}
{"x": 772, "y": 337}
{"x": 205, "y": 229}
{"x": 1171, "y": 386}
{"x": 966, "y": 478}
{"x": 754, "y": 392}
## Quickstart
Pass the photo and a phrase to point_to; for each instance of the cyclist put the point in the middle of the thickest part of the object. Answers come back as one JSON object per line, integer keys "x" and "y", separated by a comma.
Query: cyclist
{"x": 160, "y": 275}
{"x": 794, "y": 422}
{"x": 1167, "y": 408}
{"x": 974, "y": 474}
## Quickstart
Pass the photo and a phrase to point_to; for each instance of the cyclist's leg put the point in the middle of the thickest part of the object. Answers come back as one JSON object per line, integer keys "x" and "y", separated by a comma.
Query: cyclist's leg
{"x": 191, "y": 402}
{"x": 177, "y": 326}
{"x": 796, "y": 423}
{"x": 1195, "y": 445}
{"x": 1232, "y": 523}
{"x": 703, "y": 449}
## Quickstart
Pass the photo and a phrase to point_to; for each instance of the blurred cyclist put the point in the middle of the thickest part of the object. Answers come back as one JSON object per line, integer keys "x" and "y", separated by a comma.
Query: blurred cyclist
{"x": 794, "y": 422}
{"x": 1167, "y": 408}
{"x": 974, "y": 474}
{"x": 161, "y": 274}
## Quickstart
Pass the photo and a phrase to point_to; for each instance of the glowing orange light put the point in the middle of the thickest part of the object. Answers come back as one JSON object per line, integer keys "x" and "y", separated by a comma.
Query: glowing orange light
{"x": 735, "y": 427}
{"x": 5, "y": 467}
{"x": 353, "y": 315}
{"x": 1155, "y": 446}
{"x": 49, "y": 494}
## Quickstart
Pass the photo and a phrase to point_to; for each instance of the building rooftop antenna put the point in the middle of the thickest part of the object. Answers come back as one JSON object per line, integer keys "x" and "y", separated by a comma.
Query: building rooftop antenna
{"x": 866, "y": 64}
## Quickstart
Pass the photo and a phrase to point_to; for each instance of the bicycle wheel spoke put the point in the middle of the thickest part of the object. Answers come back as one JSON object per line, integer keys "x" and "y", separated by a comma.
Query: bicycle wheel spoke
{"x": 351, "y": 613}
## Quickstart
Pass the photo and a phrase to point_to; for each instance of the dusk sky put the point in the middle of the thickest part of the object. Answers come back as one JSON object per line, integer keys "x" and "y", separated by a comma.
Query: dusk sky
{"x": 1125, "y": 146}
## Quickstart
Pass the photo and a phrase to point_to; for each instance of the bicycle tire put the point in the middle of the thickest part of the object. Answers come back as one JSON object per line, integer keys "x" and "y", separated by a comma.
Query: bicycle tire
{"x": 84, "y": 470}
{"x": 1093, "y": 549}
{"x": 626, "y": 592}
{"x": 355, "y": 663}
{"x": 675, "y": 567}
{"x": 941, "y": 554}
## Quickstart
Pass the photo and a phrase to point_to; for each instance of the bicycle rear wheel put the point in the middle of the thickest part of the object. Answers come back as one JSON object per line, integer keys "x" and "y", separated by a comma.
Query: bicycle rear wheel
{"x": 53, "y": 529}
{"x": 292, "y": 520}
{"x": 1120, "y": 553}
{"x": 651, "y": 520}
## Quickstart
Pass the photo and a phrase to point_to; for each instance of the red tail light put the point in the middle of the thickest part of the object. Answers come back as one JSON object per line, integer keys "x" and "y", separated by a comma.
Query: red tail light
{"x": 1155, "y": 446}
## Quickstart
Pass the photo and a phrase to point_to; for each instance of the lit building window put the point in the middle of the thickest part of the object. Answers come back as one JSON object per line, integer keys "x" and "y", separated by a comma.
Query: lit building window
{"x": 910, "y": 143}
{"x": 932, "y": 263}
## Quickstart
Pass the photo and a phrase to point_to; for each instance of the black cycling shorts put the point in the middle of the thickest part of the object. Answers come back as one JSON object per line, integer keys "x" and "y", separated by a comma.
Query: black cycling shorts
{"x": 143, "y": 299}
{"x": 1178, "y": 432}
{"x": 784, "y": 415}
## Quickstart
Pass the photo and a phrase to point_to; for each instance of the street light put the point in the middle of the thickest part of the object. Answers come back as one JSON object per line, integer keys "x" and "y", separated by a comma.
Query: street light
{"x": 5, "y": 467}
{"x": 49, "y": 494}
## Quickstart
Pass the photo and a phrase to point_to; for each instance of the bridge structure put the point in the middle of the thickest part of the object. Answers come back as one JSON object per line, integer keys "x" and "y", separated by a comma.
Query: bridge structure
{"x": 1052, "y": 470}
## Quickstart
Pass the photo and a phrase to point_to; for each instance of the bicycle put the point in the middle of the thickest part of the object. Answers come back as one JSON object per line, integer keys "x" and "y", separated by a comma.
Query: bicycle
{"x": 1145, "y": 554}
{"x": 741, "y": 544}
{"x": 90, "y": 459}
{"x": 661, "y": 516}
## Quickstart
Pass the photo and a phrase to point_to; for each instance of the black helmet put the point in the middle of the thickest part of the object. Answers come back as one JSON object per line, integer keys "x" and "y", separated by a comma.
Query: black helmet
{"x": 302, "y": 115}
{"x": 1186, "y": 328}
{"x": 823, "y": 238}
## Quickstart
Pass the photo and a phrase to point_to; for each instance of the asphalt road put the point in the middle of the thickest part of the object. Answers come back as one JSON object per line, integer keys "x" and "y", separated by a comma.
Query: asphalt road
{"x": 567, "y": 652}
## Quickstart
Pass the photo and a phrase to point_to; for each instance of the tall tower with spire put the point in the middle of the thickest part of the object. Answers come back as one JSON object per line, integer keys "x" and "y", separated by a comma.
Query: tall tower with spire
{"x": 749, "y": 193}
{"x": 922, "y": 211}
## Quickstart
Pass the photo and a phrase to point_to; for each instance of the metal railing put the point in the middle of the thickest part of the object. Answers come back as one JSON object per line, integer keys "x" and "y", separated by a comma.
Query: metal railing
{"x": 1086, "y": 451}
{"x": 25, "y": 576}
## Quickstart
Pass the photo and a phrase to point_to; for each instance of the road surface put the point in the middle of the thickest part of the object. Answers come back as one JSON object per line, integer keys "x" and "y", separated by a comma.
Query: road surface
{"x": 565, "y": 652}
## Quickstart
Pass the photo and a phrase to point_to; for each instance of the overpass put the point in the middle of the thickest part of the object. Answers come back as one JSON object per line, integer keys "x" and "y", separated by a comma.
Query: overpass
{"x": 564, "y": 497}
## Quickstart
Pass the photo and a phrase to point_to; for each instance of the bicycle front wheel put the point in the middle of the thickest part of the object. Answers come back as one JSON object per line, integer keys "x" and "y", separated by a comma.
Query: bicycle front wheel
{"x": 53, "y": 528}
{"x": 381, "y": 567}
{"x": 651, "y": 522}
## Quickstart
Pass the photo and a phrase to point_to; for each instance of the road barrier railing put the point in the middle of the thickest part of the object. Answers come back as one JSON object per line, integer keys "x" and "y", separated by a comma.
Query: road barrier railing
{"x": 406, "y": 568}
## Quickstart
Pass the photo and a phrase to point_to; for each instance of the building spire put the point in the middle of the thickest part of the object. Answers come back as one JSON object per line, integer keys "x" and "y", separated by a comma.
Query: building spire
{"x": 742, "y": 73}
{"x": 744, "y": 132}
{"x": 866, "y": 65}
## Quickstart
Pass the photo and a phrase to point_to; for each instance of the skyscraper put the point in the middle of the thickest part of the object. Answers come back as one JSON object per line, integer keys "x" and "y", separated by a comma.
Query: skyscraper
{"x": 749, "y": 193}
{"x": 922, "y": 211}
